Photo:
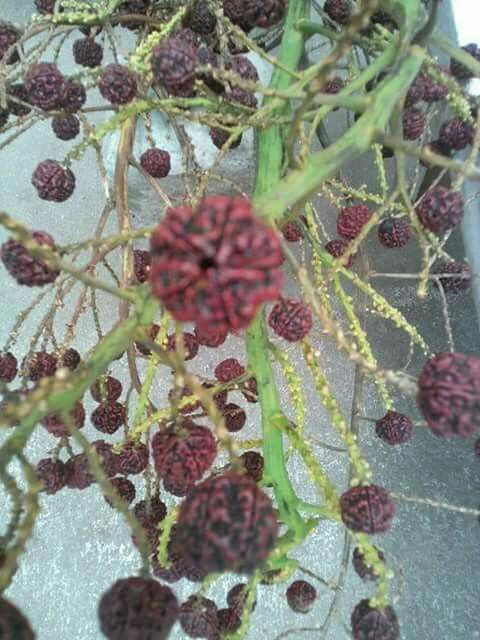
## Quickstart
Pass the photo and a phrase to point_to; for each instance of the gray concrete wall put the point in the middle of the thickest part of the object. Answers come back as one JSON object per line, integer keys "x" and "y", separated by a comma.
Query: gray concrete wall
{"x": 80, "y": 546}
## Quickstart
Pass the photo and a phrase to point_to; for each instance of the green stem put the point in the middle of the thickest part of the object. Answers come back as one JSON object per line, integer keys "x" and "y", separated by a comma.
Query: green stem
{"x": 24, "y": 529}
{"x": 270, "y": 152}
{"x": 361, "y": 338}
{"x": 318, "y": 510}
{"x": 21, "y": 234}
{"x": 310, "y": 28}
{"x": 294, "y": 382}
{"x": 315, "y": 470}
{"x": 153, "y": 363}
{"x": 275, "y": 470}
{"x": 432, "y": 158}
{"x": 55, "y": 396}
{"x": 300, "y": 185}
{"x": 269, "y": 142}
{"x": 457, "y": 54}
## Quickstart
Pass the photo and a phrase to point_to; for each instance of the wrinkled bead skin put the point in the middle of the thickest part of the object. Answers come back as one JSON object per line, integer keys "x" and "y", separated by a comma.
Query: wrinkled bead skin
{"x": 226, "y": 523}
{"x": 449, "y": 394}
{"x": 369, "y": 509}
{"x": 215, "y": 265}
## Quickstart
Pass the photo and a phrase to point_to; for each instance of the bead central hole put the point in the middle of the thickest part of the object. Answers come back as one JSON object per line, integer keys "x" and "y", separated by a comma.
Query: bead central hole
{"x": 207, "y": 263}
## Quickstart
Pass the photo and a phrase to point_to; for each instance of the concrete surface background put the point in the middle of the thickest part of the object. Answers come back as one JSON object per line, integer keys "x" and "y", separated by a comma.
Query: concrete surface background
{"x": 80, "y": 546}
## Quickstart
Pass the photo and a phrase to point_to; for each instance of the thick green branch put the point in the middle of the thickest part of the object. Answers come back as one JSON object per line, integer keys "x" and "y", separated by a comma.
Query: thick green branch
{"x": 300, "y": 185}
{"x": 269, "y": 167}
{"x": 60, "y": 394}
{"x": 275, "y": 470}
{"x": 270, "y": 146}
